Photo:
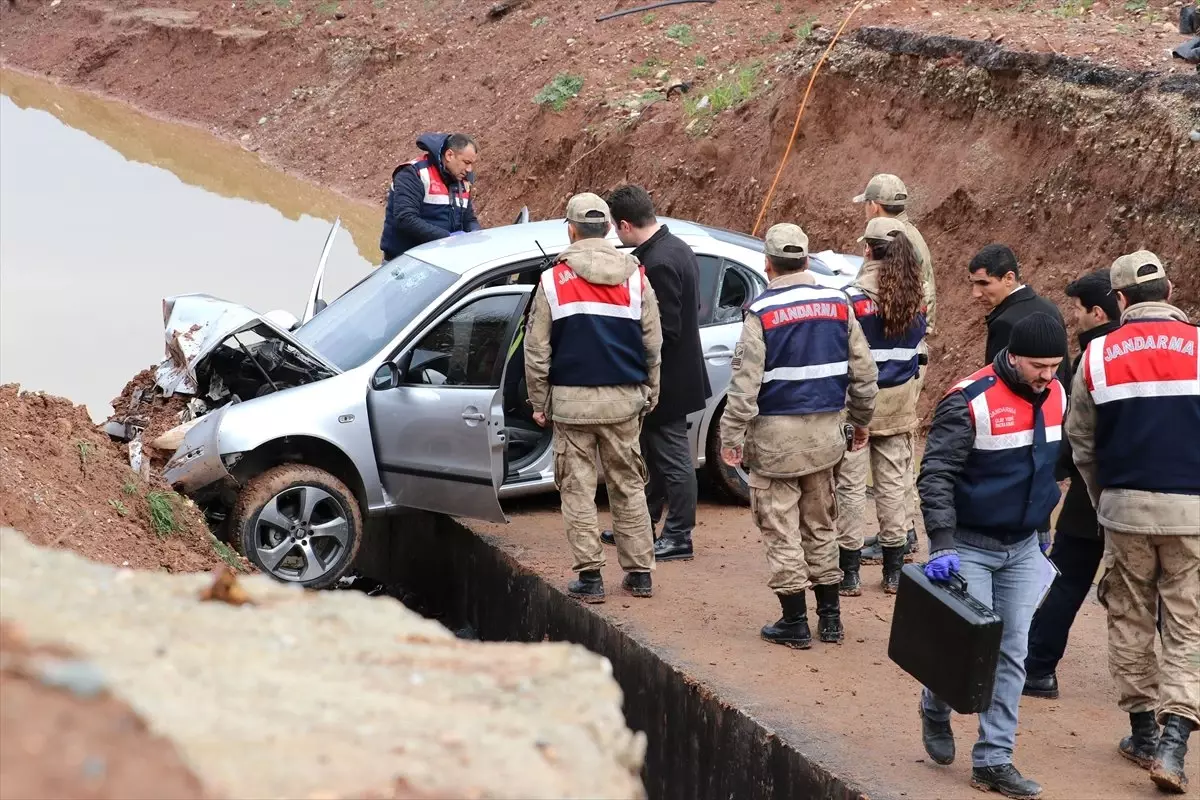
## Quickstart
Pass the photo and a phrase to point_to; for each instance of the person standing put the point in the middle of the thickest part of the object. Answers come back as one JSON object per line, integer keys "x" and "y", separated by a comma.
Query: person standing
{"x": 430, "y": 197}
{"x": 592, "y": 349}
{"x": 802, "y": 361}
{"x": 1078, "y": 538}
{"x": 987, "y": 480}
{"x": 888, "y": 303}
{"x": 672, "y": 270}
{"x": 1134, "y": 430}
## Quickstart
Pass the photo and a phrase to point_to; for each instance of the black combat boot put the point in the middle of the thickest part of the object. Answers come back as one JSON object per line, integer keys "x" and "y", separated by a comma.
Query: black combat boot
{"x": 607, "y": 537}
{"x": 829, "y": 614}
{"x": 893, "y": 561}
{"x": 1045, "y": 686}
{"x": 638, "y": 584}
{"x": 673, "y": 548}
{"x": 937, "y": 738}
{"x": 1167, "y": 769}
{"x": 589, "y": 587}
{"x": 1005, "y": 779}
{"x": 1139, "y": 745}
{"x": 792, "y": 628}
{"x": 851, "y": 585}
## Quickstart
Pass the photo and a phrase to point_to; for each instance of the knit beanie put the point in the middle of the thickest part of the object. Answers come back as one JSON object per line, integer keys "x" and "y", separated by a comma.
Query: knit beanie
{"x": 1038, "y": 336}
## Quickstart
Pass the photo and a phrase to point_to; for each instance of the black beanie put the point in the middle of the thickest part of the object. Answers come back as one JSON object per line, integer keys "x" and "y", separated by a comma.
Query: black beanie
{"x": 1038, "y": 336}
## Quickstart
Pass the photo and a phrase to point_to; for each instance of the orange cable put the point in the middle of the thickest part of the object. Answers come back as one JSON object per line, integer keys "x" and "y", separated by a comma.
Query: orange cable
{"x": 800, "y": 115}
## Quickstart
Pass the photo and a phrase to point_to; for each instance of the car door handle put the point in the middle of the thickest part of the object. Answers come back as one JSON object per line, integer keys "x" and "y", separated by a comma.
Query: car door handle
{"x": 718, "y": 353}
{"x": 474, "y": 416}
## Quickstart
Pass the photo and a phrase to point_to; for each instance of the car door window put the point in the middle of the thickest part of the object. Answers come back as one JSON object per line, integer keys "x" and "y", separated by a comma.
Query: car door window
{"x": 710, "y": 275}
{"x": 468, "y": 348}
{"x": 736, "y": 291}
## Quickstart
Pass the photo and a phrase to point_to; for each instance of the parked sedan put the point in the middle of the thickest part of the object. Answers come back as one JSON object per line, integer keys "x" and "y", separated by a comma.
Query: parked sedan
{"x": 395, "y": 395}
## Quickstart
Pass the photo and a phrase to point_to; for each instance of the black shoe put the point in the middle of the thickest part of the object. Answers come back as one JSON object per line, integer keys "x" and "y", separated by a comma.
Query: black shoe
{"x": 851, "y": 585}
{"x": 829, "y": 614}
{"x": 1169, "y": 755}
{"x": 937, "y": 738}
{"x": 608, "y": 538}
{"x": 589, "y": 587}
{"x": 913, "y": 545}
{"x": 1041, "y": 686}
{"x": 792, "y": 628}
{"x": 638, "y": 584}
{"x": 1005, "y": 779}
{"x": 893, "y": 561}
{"x": 1139, "y": 745}
{"x": 673, "y": 548}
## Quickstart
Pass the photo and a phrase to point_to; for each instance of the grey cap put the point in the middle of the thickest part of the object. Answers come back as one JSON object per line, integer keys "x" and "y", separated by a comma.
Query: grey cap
{"x": 885, "y": 189}
{"x": 1124, "y": 271}
{"x": 588, "y": 207}
{"x": 786, "y": 240}
{"x": 882, "y": 228}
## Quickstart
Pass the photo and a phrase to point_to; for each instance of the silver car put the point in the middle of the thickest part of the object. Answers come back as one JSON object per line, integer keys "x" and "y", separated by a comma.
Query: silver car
{"x": 397, "y": 393}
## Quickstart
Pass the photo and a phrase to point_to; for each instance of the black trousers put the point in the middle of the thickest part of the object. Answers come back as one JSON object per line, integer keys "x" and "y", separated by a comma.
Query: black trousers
{"x": 1077, "y": 559}
{"x": 672, "y": 484}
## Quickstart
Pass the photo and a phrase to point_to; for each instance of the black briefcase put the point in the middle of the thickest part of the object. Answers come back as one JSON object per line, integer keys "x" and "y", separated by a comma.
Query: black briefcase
{"x": 946, "y": 639}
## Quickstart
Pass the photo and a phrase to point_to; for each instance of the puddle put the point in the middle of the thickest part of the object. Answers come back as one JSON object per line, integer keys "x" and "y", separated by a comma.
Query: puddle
{"x": 105, "y": 211}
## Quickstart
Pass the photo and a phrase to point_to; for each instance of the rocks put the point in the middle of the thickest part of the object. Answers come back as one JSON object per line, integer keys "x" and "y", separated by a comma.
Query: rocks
{"x": 331, "y": 693}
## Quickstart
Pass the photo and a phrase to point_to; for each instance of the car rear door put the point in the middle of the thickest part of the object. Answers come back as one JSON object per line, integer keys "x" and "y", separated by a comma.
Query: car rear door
{"x": 437, "y": 416}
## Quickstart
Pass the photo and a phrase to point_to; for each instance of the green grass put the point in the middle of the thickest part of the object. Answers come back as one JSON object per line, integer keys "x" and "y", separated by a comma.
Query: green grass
{"x": 641, "y": 71}
{"x": 225, "y": 553}
{"x": 648, "y": 19}
{"x": 539, "y": 22}
{"x": 805, "y": 29}
{"x": 294, "y": 21}
{"x": 1066, "y": 9}
{"x": 119, "y": 507}
{"x": 648, "y": 97}
{"x": 727, "y": 92}
{"x": 1136, "y": 5}
{"x": 701, "y": 61}
{"x": 327, "y": 9}
{"x": 778, "y": 8}
{"x": 129, "y": 488}
{"x": 283, "y": 3}
{"x": 558, "y": 92}
{"x": 85, "y": 452}
{"x": 162, "y": 513}
{"x": 771, "y": 38}
{"x": 681, "y": 34}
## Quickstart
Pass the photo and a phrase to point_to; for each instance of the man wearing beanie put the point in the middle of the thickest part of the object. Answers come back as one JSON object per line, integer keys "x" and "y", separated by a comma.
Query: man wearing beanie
{"x": 986, "y": 483}
{"x": 1134, "y": 431}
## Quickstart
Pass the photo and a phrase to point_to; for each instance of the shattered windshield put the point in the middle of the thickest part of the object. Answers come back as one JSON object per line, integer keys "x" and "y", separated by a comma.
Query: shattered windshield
{"x": 361, "y": 322}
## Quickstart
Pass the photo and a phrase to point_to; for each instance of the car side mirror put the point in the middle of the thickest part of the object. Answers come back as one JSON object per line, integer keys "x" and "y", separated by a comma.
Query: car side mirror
{"x": 386, "y": 377}
{"x": 522, "y": 216}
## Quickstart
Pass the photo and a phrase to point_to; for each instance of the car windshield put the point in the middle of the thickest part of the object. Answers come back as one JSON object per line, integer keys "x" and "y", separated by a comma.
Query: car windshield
{"x": 361, "y": 322}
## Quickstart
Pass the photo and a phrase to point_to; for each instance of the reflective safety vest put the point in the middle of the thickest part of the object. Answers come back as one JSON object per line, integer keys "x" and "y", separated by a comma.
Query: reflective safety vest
{"x": 1008, "y": 482}
{"x": 896, "y": 357}
{"x": 805, "y": 329}
{"x": 437, "y": 193}
{"x": 1144, "y": 378}
{"x": 596, "y": 330}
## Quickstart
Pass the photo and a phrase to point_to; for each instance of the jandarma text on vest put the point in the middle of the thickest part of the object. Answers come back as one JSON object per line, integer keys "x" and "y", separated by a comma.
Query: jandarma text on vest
{"x": 1136, "y": 343}
{"x": 804, "y": 311}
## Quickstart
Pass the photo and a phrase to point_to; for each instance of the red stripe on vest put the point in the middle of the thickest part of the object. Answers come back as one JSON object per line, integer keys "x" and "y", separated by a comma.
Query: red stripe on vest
{"x": 865, "y": 307}
{"x": 573, "y": 289}
{"x": 437, "y": 186}
{"x": 1144, "y": 352}
{"x": 1010, "y": 413}
{"x": 804, "y": 312}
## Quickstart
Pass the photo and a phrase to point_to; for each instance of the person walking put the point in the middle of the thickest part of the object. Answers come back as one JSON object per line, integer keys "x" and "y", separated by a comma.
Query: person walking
{"x": 888, "y": 303}
{"x": 592, "y": 349}
{"x": 430, "y": 197}
{"x": 987, "y": 480}
{"x": 1134, "y": 430}
{"x": 802, "y": 361}
{"x": 1078, "y": 538}
{"x": 672, "y": 271}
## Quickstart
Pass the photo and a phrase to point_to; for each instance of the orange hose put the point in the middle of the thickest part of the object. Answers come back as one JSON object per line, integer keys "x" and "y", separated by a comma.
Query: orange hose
{"x": 800, "y": 115}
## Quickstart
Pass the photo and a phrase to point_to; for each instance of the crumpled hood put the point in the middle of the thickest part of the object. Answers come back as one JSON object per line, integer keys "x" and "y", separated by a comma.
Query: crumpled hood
{"x": 435, "y": 144}
{"x": 598, "y": 262}
{"x": 1153, "y": 311}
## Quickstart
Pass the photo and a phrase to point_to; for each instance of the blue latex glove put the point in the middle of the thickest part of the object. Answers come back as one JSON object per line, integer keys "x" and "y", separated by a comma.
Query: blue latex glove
{"x": 940, "y": 568}
{"x": 1045, "y": 548}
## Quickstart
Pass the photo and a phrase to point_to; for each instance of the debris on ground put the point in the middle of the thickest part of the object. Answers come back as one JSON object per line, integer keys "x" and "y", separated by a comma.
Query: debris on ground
{"x": 226, "y": 589}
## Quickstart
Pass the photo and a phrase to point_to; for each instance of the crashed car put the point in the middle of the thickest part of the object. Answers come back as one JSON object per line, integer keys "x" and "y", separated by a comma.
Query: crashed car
{"x": 395, "y": 394}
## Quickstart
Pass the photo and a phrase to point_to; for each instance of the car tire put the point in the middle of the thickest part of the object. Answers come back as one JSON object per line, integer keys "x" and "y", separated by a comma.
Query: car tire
{"x": 729, "y": 482}
{"x": 298, "y": 524}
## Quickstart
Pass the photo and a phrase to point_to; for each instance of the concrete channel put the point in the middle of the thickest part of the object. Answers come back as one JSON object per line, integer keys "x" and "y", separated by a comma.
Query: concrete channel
{"x": 700, "y": 745}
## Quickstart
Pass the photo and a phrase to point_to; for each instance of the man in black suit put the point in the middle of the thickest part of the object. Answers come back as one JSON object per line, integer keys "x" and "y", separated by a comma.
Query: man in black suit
{"x": 673, "y": 273}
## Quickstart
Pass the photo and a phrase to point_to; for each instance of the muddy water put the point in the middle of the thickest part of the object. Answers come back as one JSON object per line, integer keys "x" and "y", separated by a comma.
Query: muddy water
{"x": 105, "y": 211}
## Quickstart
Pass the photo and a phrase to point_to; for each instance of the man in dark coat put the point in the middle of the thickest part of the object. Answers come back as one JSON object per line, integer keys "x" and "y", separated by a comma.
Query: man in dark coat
{"x": 430, "y": 196}
{"x": 673, "y": 273}
{"x": 1078, "y": 538}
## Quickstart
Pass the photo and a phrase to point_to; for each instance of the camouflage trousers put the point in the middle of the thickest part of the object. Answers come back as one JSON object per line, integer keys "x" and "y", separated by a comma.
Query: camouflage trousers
{"x": 795, "y": 516}
{"x": 890, "y": 461}
{"x": 1141, "y": 570}
{"x": 576, "y": 448}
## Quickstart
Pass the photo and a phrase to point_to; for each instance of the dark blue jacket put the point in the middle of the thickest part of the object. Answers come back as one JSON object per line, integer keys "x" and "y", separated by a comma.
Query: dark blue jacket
{"x": 422, "y": 205}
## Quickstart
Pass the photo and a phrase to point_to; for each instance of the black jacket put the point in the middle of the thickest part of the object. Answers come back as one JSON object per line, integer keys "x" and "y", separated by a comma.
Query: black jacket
{"x": 1078, "y": 516}
{"x": 951, "y": 437}
{"x": 1014, "y": 308}
{"x": 408, "y": 220}
{"x": 673, "y": 273}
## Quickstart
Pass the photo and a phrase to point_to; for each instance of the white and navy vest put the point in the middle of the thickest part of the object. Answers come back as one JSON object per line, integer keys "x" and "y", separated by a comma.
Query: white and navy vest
{"x": 895, "y": 357}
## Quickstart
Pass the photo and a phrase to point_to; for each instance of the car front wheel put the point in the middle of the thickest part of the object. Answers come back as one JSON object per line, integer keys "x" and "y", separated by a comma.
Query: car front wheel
{"x": 298, "y": 524}
{"x": 730, "y": 482}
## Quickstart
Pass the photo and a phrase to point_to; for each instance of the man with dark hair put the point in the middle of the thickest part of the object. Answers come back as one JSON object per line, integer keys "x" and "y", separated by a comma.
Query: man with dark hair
{"x": 672, "y": 270}
{"x": 430, "y": 197}
{"x": 1078, "y": 539}
{"x": 1134, "y": 428}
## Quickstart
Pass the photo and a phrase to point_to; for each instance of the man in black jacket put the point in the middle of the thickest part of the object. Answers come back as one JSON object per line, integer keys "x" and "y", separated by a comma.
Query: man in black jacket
{"x": 673, "y": 273}
{"x": 1078, "y": 539}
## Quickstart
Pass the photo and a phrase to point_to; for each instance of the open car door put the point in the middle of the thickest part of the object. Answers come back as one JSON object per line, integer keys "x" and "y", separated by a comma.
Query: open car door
{"x": 315, "y": 301}
{"x": 437, "y": 415}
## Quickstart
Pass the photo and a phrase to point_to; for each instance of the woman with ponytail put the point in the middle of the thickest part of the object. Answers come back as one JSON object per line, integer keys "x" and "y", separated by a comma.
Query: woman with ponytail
{"x": 888, "y": 299}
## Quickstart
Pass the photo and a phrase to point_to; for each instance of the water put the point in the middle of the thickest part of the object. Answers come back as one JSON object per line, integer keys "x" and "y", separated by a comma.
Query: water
{"x": 105, "y": 211}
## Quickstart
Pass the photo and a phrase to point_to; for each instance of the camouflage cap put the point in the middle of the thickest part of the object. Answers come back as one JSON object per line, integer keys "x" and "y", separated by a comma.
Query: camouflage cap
{"x": 887, "y": 190}
{"x": 588, "y": 207}
{"x": 1124, "y": 271}
{"x": 882, "y": 228}
{"x": 786, "y": 240}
